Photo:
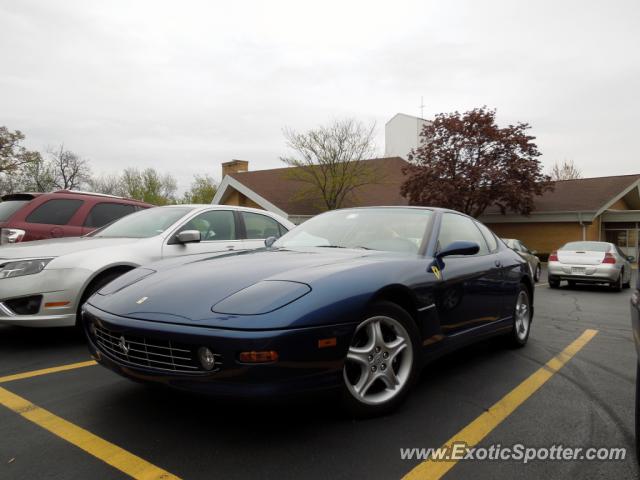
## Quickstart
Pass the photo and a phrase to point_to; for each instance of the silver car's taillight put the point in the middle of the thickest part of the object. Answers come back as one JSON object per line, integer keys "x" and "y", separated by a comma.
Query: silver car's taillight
{"x": 11, "y": 235}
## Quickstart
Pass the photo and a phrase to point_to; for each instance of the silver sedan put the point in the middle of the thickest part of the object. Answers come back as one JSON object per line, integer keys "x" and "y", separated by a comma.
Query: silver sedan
{"x": 590, "y": 262}
{"x": 44, "y": 283}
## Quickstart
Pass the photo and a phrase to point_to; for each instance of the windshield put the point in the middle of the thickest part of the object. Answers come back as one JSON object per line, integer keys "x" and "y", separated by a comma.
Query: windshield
{"x": 143, "y": 224}
{"x": 10, "y": 207}
{"x": 587, "y": 246}
{"x": 386, "y": 229}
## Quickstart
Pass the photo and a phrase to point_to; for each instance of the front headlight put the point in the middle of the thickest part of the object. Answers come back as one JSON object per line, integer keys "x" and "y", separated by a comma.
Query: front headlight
{"x": 11, "y": 235}
{"x": 23, "y": 267}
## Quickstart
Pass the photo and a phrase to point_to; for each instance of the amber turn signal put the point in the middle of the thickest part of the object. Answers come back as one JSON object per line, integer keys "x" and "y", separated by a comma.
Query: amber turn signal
{"x": 327, "y": 342}
{"x": 259, "y": 357}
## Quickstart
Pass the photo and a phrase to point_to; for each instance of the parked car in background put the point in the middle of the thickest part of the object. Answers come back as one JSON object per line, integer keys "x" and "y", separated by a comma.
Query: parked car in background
{"x": 590, "y": 262}
{"x": 44, "y": 283}
{"x": 353, "y": 299}
{"x": 529, "y": 255}
{"x": 65, "y": 213}
{"x": 635, "y": 325}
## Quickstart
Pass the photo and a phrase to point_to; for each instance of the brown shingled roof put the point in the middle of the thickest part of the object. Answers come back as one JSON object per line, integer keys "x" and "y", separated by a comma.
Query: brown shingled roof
{"x": 279, "y": 188}
{"x": 580, "y": 195}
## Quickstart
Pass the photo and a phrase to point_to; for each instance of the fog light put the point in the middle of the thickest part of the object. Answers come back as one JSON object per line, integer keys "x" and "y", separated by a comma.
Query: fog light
{"x": 259, "y": 357}
{"x": 207, "y": 360}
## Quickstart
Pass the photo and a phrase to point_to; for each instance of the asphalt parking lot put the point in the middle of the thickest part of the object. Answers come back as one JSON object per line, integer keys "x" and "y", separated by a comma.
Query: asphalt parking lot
{"x": 93, "y": 419}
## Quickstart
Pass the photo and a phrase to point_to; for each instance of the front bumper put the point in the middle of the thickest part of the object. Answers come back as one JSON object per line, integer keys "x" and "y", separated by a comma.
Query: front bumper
{"x": 600, "y": 273}
{"x": 303, "y": 365}
{"x": 55, "y": 285}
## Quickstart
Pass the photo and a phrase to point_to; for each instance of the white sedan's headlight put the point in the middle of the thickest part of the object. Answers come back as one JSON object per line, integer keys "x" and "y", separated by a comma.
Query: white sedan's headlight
{"x": 23, "y": 267}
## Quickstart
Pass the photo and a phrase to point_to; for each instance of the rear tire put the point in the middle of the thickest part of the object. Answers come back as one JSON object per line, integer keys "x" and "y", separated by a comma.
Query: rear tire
{"x": 537, "y": 274}
{"x": 522, "y": 316}
{"x": 382, "y": 363}
{"x": 617, "y": 285}
{"x": 554, "y": 282}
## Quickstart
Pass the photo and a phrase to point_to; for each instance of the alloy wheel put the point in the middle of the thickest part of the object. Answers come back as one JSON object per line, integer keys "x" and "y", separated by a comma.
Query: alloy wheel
{"x": 379, "y": 362}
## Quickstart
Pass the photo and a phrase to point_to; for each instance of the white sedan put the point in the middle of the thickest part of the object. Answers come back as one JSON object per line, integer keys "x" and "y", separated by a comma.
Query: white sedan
{"x": 44, "y": 283}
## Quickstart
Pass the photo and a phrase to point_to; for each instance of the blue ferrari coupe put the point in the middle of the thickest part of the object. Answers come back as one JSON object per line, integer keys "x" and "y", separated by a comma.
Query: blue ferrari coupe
{"x": 355, "y": 300}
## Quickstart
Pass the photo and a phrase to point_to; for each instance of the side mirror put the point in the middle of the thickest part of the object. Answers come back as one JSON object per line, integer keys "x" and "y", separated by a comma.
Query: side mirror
{"x": 189, "y": 236}
{"x": 631, "y": 258}
{"x": 459, "y": 248}
{"x": 269, "y": 241}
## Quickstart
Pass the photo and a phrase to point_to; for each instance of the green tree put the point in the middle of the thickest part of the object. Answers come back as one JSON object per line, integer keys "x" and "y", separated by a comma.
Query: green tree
{"x": 13, "y": 157}
{"x": 202, "y": 190}
{"x": 149, "y": 186}
{"x": 329, "y": 160}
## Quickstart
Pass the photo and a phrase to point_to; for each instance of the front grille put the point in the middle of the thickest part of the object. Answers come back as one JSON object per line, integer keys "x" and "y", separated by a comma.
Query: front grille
{"x": 151, "y": 353}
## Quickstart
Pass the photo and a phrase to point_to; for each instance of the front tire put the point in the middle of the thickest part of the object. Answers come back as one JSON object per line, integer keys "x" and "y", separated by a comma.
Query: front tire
{"x": 522, "y": 316}
{"x": 382, "y": 362}
{"x": 94, "y": 286}
{"x": 537, "y": 274}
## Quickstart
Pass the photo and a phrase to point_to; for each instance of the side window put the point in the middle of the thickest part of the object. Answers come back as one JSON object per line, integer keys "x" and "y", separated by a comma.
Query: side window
{"x": 55, "y": 212}
{"x": 455, "y": 227}
{"x": 103, "y": 213}
{"x": 491, "y": 238}
{"x": 260, "y": 226}
{"x": 213, "y": 225}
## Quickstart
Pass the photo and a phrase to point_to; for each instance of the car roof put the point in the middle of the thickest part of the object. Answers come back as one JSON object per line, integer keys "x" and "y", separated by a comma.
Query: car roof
{"x": 209, "y": 206}
{"x": 32, "y": 195}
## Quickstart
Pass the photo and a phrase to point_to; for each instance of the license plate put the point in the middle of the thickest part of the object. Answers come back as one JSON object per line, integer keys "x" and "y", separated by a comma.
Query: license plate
{"x": 577, "y": 270}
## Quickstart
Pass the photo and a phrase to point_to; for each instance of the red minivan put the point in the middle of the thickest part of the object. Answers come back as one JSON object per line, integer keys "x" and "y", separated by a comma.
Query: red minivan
{"x": 65, "y": 213}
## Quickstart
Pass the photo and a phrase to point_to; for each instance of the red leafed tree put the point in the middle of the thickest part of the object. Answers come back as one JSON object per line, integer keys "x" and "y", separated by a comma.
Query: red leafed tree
{"x": 466, "y": 162}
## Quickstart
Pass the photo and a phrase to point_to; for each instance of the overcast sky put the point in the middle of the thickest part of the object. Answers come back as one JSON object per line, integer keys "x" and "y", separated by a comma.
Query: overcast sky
{"x": 183, "y": 86}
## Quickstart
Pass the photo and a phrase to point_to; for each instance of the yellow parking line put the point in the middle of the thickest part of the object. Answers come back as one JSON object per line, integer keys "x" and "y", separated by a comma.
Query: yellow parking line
{"x": 109, "y": 453}
{"x": 473, "y": 433}
{"x": 46, "y": 371}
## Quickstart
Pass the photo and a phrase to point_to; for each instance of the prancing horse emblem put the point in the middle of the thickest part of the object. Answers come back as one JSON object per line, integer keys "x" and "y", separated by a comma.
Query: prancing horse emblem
{"x": 142, "y": 300}
{"x": 123, "y": 345}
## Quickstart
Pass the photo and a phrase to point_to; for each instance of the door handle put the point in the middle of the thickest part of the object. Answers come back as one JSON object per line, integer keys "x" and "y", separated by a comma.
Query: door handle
{"x": 498, "y": 263}
{"x": 230, "y": 247}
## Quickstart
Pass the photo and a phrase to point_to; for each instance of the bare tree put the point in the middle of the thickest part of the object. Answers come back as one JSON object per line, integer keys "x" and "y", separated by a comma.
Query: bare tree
{"x": 565, "y": 171}
{"x": 70, "y": 171}
{"x": 107, "y": 184}
{"x": 329, "y": 159}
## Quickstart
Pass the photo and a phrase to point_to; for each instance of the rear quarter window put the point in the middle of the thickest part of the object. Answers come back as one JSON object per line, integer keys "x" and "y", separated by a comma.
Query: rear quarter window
{"x": 55, "y": 212}
{"x": 8, "y": 208}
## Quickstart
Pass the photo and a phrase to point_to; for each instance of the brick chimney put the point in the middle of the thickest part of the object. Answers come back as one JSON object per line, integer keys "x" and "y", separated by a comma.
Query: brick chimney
{"x": 234, "y": 166}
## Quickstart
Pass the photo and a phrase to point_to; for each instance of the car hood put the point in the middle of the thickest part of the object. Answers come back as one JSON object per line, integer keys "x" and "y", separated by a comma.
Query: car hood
{"x": 187, "y": 293}
{"x": 59, "y": 246}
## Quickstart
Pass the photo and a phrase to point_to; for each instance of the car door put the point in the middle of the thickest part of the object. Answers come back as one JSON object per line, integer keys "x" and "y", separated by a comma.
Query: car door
{"x": 257, "y": 227}
{"x": 470, "y": 291}
{"x": 218, "y": 230}
{"x": 55, "y": 219}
